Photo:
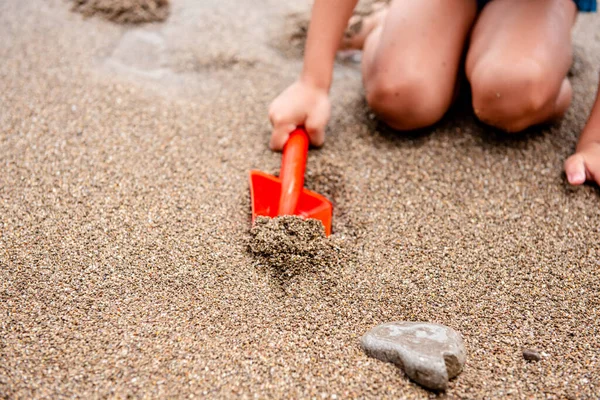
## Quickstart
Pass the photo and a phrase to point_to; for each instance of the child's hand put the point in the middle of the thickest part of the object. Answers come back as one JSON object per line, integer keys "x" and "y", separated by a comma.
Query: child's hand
{"x": 300, "y": 104}
{"x": 584, "y": 164}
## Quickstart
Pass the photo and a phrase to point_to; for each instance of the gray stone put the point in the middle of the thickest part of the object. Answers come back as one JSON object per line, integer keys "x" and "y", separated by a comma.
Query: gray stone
{"x": 531, "y": 355}
{"x": 429, "y": 354}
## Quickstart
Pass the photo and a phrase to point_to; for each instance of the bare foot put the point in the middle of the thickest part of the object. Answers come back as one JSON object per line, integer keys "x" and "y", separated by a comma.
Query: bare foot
{"x": 359, "y": 27}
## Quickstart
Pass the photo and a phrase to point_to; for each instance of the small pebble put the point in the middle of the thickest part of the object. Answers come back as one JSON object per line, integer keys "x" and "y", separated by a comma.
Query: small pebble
{"x": 429, "y": 354}
{"x": 531, "y": 355}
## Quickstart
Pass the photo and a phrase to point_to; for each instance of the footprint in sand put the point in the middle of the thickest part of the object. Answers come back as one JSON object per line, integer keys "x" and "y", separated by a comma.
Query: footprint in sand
{"x": 141, "y": 52}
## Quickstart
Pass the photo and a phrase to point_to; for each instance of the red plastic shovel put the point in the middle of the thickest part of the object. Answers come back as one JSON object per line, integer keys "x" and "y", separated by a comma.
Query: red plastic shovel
{"x": 286, "y": 195}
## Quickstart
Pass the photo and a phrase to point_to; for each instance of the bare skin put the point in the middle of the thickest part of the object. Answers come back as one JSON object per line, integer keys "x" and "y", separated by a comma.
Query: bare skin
{"x": 518, "y": 56}
{"x": 584, "y": 165}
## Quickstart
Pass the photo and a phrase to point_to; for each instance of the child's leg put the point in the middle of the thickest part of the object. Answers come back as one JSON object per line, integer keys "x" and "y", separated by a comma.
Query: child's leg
{"x": 411, "y": 60}
{"x": 518, "y": 59}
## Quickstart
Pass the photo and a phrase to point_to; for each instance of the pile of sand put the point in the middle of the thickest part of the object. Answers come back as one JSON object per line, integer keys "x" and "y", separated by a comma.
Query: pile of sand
{"x": 290, "y": 245}
{"x": 125, "y": 11}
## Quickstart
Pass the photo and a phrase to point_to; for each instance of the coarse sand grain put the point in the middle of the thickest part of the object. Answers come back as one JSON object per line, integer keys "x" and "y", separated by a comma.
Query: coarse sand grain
{"x": 124, "y": 11}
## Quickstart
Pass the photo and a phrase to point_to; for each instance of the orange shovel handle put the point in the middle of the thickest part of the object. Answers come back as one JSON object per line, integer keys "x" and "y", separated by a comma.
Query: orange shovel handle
{"x": 293, "y": 165}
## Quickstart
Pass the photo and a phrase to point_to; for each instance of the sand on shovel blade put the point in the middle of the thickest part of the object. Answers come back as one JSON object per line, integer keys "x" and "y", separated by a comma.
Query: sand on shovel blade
{"x": 290, "y": 244}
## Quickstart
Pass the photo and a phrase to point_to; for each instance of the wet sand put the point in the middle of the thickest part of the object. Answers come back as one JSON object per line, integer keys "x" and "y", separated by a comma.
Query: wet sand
{"x": 125, "y": 267}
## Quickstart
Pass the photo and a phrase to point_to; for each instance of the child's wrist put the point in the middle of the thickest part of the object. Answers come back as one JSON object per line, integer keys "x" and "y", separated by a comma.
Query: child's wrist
{"x": 318, "y": 83}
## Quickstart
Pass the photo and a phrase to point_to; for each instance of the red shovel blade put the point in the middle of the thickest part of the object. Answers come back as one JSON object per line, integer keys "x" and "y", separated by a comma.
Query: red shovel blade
{"x": 265, "y": 191}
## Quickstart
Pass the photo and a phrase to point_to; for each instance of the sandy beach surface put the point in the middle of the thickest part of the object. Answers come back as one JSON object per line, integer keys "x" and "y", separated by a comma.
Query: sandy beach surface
{"x": 125, "y": 267}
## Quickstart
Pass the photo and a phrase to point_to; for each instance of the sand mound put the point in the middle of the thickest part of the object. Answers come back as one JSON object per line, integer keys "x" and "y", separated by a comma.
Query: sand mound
{"x": 125, "y": 11}
{"x": 291, "y": 245}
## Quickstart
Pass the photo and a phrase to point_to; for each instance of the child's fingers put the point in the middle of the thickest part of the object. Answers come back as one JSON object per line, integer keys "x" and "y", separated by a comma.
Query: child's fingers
{"x": 316, "y": 136}
{"x": 281, "y": 133}
{"x": 316, "y": 122}
{"x": 575, "y": 169}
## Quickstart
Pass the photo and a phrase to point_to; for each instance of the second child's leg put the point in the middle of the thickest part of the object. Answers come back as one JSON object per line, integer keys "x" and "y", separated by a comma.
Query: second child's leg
{"x": 411, "y": 60}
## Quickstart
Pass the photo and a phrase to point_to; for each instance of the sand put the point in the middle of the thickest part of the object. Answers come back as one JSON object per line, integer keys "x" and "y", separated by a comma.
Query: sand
{"x": 125, "y": 223}
{"x": 124, "y": 11}
{"x": 289, "y": 244}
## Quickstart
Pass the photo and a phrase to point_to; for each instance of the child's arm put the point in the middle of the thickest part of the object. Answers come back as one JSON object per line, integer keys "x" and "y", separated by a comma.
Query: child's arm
{"x": 585, "y": 163}
{"x": 306, "y": 102}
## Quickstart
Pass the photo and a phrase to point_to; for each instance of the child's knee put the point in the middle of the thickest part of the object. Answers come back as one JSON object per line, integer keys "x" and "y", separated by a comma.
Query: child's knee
{"x": 406, "y": 101}
{"x": 511, "y": 97}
